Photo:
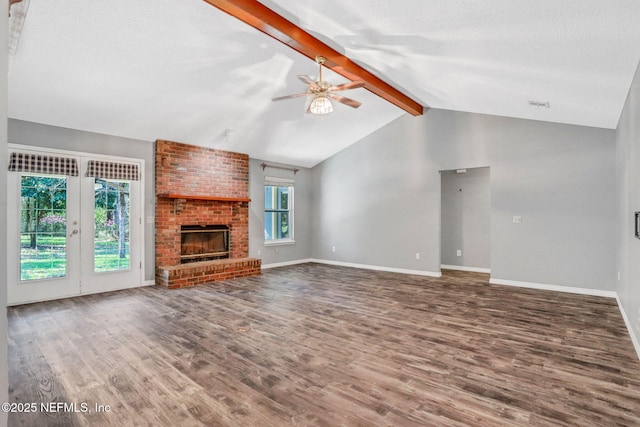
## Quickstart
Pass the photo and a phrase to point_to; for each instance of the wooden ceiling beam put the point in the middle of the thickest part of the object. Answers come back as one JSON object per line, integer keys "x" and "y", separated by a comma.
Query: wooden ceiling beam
{"x": 274, "y": 25}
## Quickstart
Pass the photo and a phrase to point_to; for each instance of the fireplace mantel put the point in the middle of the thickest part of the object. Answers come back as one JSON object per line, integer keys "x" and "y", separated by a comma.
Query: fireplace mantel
{"x": 199, "y": 197}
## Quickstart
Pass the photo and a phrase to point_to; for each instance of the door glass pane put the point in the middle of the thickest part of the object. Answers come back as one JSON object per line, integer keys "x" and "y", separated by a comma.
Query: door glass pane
{"x": 111, "y": 216}
{"x": 43, "y": 227}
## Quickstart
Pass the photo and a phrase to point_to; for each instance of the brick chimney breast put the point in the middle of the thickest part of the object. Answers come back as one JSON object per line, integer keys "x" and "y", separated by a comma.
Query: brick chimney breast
{"x": 200, "y": 186}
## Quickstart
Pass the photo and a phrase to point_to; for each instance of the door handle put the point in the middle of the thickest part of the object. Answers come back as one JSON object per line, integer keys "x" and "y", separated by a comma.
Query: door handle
{"x": 74, "y": 232}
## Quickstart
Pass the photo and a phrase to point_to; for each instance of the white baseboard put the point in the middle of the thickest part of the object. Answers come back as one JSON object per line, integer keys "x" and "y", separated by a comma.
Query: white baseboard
{"x": 546, "y": 287}
{"x": 149, "y": 282}
{"x": 377, "y": 268}
{"x": 286, "y": 263}
{"x": 463, "y": 268}
{"x": 634, "y": 339}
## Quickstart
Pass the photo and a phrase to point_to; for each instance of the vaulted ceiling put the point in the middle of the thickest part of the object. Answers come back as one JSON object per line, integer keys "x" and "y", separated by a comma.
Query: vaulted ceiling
{"x": 185, "y": 71}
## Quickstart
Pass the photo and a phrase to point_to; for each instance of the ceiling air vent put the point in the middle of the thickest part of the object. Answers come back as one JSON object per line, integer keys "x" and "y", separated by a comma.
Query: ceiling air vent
{"x": 543, "y": 104}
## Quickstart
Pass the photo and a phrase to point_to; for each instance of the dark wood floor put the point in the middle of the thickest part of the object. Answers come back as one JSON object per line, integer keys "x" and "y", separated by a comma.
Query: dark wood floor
{"x": 317, "y": 345}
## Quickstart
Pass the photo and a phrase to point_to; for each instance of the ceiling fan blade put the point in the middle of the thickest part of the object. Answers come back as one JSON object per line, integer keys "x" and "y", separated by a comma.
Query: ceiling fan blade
{"x": 307, "y": 80}
{"x": 347, "y": 86}
{"x": 296, "y": 95}
{"x": 346, "y": 101}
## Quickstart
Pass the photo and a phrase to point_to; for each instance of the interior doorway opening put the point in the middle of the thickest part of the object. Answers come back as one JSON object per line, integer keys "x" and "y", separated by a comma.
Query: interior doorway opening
{"x": 465, "y": 222}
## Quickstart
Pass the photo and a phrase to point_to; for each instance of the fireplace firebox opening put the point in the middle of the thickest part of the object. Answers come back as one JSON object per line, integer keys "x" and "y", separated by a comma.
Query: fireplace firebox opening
{"x": 203, "y": 242}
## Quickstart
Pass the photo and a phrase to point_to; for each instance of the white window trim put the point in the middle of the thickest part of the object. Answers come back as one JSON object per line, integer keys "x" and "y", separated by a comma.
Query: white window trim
{"x": 279, "y": 242}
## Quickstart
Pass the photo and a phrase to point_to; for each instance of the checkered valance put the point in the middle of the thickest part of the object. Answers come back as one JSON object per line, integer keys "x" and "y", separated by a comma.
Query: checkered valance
{"x": 112, "y": 170}
{"x": 44, "y": 164}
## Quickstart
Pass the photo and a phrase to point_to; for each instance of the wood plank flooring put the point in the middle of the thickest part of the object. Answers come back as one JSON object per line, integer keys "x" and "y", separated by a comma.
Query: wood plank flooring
{"x": 318, "y": 345}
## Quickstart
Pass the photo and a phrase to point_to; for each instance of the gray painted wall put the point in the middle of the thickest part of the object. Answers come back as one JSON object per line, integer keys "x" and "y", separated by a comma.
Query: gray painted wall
{"x": 628, "y": 150}
{"x": 466, "y": 218}
{"x": 36, "y": 134}
{"x": 302, "y": 214}
{"x": 378, "y": 201}
{"x": 4, "y": 378}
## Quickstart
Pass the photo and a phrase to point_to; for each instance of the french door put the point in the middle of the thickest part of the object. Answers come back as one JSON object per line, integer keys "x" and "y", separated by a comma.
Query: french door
{"x": 72, "y": 234}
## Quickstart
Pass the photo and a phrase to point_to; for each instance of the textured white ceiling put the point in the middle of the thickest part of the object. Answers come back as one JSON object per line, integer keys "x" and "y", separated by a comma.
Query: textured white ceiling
{"x": 185, "y": 71}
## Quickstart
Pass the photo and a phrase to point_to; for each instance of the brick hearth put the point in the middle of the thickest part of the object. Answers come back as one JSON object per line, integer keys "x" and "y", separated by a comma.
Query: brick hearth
{"x": 197, "y": 186}
{"x": 198, "y": 273}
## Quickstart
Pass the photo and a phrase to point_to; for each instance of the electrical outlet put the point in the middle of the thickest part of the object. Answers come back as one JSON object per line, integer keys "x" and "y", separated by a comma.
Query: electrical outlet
{"x": 333, "y": 248}
{"x": 417, "y": 255}
{"x": 258, "y": 252}
{"x": 517, "y": 219}
{"x": 459, "y": 252}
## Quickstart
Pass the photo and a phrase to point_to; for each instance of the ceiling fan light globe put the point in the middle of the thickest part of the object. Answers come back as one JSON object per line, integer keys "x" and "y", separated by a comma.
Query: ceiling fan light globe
{"x": 321, "y": 105}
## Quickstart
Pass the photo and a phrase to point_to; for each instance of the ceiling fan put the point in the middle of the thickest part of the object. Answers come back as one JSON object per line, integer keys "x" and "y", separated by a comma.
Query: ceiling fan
{"x": 321, "y": 91}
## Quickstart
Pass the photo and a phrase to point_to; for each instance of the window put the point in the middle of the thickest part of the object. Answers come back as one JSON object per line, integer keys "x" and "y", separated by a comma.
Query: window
{"x": 278, "y": 210}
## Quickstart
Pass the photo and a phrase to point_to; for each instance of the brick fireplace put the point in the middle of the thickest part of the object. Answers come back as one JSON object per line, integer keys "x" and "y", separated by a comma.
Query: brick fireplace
{"x": 197, "y": 187}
